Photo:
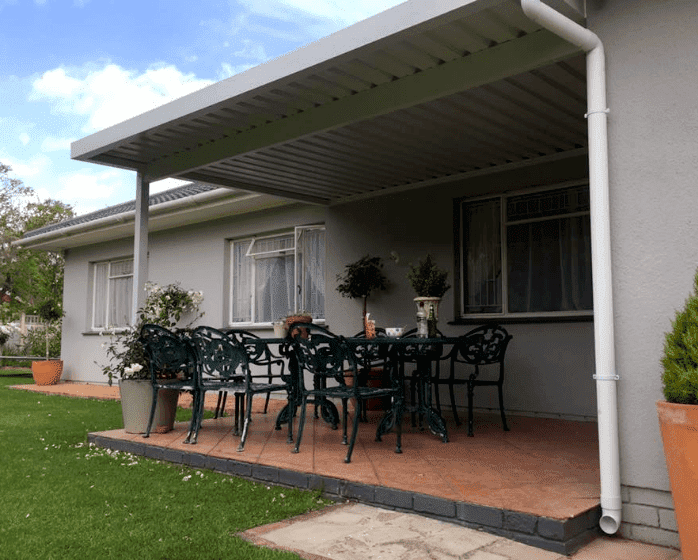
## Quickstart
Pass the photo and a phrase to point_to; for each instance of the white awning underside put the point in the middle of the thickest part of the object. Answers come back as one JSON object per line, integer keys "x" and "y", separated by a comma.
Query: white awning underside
{"x": 416, "y": 95}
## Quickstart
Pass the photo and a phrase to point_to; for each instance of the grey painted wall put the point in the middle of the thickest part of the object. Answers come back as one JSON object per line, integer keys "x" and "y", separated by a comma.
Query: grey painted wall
{"x": 195, "y": 256}
{"x": 549, "y": 365}
{"x": 653, "y": 126}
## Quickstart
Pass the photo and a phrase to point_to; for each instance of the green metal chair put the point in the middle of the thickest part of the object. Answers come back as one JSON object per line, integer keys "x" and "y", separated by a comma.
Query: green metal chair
{"x": 172, "y": 365}
{"x": 223, "y": 365}
{"x": 481, "y": 347}
{"x": 327, "y": 357}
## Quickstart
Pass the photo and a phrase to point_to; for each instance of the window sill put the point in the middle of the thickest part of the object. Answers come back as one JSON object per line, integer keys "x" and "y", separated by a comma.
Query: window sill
{"x": 106, "y": 332}
{"x": 523, "y": 320}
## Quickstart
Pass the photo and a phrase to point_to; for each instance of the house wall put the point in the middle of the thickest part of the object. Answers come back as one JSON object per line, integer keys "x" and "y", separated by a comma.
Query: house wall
{"x": 545, "y": 363}
{"x": 195, "y": 256}
{"x": 653, "y": 125}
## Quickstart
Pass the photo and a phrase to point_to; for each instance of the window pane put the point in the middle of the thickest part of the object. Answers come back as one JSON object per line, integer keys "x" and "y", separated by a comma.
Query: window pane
{"x": 482, "y": 285}
{"x": 120, "y": 294}
{"x": 274, "y": 288}
{"x": 549, "y": 265}
{"x": 241, "y": 283}
{"x": 311, "y": 259}
{"x": 99, "y": 312}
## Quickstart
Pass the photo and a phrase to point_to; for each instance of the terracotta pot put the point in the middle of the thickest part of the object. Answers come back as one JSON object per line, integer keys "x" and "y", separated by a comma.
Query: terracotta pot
{"x": 47, "y": 372}
{"x": 298, "y": 319}
{"x": 679, "y": 426}
{"x": 136, "y": 400}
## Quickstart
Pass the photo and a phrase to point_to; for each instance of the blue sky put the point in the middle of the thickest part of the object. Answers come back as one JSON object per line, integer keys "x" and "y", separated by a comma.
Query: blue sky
{"x": 71, "y": 67}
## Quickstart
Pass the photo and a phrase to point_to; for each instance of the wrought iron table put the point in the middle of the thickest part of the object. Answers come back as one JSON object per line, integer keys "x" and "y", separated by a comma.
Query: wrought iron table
{"x": 401, "y": 351}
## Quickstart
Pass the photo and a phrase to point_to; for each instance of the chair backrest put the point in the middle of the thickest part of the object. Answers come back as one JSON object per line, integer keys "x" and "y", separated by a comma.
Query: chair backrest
{"x": 484, "y": 345}
{"x": 169, "y": 355}
{"x": 219, "y": 355}
{"x": 321, "y": 352}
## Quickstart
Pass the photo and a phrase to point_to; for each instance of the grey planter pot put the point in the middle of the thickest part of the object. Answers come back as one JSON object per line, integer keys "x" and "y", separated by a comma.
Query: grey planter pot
{"x": 136, "y": 399}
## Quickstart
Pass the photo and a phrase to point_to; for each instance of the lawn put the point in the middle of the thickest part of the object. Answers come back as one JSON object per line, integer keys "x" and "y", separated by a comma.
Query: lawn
{"x": 62, "y": 498}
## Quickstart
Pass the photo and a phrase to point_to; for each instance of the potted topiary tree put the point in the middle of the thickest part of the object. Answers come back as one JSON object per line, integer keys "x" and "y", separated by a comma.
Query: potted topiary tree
{"x": 48, "y": 371}
{"x": 678, "y": 419}
{"x": 360, "y": 279}
{"x": 430, "y": 282}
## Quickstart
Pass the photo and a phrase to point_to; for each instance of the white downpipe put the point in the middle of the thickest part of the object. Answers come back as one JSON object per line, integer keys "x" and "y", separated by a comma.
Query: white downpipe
{"x": 606, "y": 377}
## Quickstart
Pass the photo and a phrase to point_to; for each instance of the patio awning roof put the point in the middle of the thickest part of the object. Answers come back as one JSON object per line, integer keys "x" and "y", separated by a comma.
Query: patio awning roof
{"x": 422, "y": 93}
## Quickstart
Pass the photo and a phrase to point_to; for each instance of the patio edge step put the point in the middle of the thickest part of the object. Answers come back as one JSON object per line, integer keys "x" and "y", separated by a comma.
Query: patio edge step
{"x": 556, "y": 535}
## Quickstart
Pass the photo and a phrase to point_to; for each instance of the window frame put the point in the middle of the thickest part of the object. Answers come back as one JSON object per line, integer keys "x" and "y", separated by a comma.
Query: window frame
{"x": 460, "y": 256}
{"x": 295, "y": 232}
{"x": 95, "y": 267}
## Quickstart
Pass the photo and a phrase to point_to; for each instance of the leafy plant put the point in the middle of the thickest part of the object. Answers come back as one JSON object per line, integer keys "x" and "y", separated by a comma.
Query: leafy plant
{"x": 34, "y": 343}
{"x": 361, "y": 278}
{"x": 427, "y": 279}
{"x": 680, "y": 359}
{"x": 164, "y": 306}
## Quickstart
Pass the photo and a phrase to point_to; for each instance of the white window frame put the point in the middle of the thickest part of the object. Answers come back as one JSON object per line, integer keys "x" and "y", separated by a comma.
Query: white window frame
{"x": 296, "y": 232}
{"x": 107, "y": 292}
{"x": 503, "y": 198}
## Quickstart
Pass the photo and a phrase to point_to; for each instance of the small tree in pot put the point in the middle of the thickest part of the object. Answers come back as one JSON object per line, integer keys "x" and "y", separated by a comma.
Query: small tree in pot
{"x": 361, "y": 278}
{"x": 678, "y": 419}
{"x": 430, "y": 282}
{"x": 48, "y": 372}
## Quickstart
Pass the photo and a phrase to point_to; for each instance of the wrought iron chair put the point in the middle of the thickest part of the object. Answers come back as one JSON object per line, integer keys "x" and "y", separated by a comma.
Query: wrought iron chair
{"x": 483, "y": 346}
{"x": 172, "y": 365}
{"x": 223, "y": 365}
{"x": 373, "y": 363}
{"x": 259, "y": 354}
{"x": 327, "y": 357}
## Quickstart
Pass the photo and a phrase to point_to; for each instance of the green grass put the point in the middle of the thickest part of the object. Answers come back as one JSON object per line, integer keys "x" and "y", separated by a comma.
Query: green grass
{"x": 61, "y": 498}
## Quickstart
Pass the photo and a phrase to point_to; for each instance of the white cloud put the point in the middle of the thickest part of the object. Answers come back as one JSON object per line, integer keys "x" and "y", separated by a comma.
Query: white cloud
{"x": 52, "y": 144}
{"x": 112, "y": 94}
{"x": 24, "y": 138}
{"x": 89, "y": 191}
{"x": 340, "y": 11}
{"x": 25, "y": 169}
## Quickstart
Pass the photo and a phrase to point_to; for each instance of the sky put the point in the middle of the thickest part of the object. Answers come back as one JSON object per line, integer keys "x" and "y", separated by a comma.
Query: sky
{"x": 69, "y": 68}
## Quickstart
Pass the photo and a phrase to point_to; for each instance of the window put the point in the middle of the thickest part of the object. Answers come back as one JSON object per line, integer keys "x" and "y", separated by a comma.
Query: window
{"x": 273, "y": 276}
{"x": 112, "y": 294}
{"x": 527, "y": 254}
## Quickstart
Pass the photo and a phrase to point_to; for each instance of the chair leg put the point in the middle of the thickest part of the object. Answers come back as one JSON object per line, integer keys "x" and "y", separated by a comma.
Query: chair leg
{"x": 345, "y": 415}
{"x": 199, "y": 416}
{"x": 194, "y": 406}
{"x": 453, "y": 404}
{"x": 152, "y": 413}
{"x": 471, "y": 390}
{"x": 301, "y": 424}
{"x": 501, "y": 408}
{"x": 354, "y": 430}
{"x": 246, "y": 425}
{"x": 221, "y": 400}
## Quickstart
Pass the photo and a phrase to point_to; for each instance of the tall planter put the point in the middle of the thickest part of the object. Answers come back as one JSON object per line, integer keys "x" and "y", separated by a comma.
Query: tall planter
{"x": 679, "y": 427}
{"x": 136, "y": 400}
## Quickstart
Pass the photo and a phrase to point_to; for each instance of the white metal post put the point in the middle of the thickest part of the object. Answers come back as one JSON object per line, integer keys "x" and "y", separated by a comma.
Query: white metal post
{"x": 140, "y": 244}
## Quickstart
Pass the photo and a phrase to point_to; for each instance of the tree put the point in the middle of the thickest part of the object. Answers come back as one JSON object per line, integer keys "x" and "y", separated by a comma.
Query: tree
{"x": 28, "y": 278}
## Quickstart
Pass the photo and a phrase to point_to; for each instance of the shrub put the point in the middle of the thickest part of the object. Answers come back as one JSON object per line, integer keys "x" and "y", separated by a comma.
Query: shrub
{"x": 680, "y": 360}
{"x": 164, "y": 306}
{"x": 427, "y": 279}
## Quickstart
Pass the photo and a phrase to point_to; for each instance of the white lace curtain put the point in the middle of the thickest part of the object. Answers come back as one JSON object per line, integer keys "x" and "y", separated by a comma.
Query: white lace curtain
{"x": 113, "y": 291}
{"x": 548, "y": 262}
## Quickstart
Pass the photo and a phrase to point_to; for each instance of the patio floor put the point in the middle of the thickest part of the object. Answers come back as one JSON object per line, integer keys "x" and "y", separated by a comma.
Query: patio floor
{"x": 538, "y": 483}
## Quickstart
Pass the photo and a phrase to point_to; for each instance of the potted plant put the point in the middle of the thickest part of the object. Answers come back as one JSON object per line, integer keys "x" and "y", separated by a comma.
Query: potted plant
{"x": 361, "y": 278}
{"x": 48, "y": 371}
{"x": 430, "y": 283}
{"x": 164, "y": 306}
{"x": 678, "y": 419}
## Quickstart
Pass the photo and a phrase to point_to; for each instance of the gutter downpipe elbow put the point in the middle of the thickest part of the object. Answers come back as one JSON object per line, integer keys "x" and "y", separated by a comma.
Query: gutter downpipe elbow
{"x": 604, "y": 342}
